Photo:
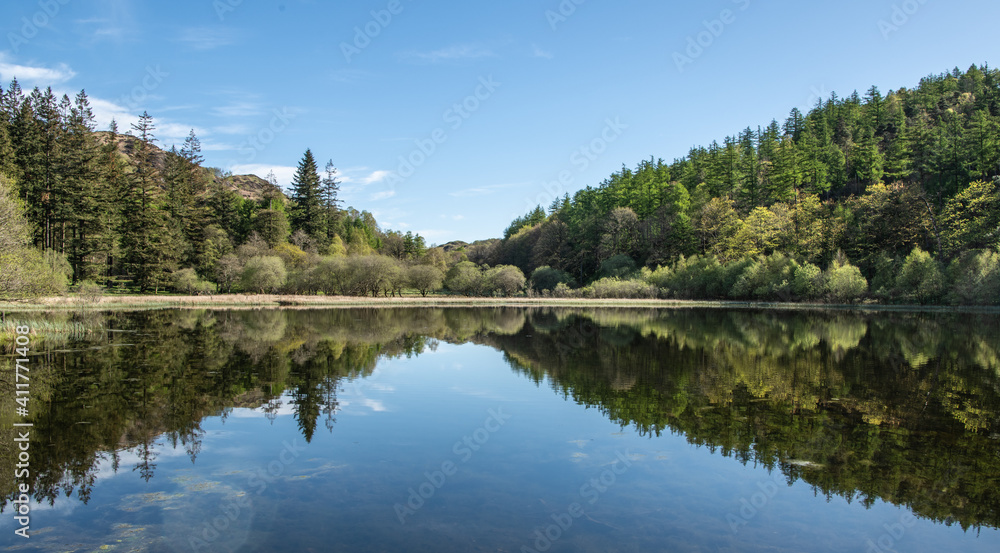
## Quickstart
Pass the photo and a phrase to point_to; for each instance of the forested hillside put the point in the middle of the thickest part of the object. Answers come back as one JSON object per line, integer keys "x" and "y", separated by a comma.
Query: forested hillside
{"x": 876, "y": 197}
{"x": 900, "y": 185}
{"x": 114, "y": 210}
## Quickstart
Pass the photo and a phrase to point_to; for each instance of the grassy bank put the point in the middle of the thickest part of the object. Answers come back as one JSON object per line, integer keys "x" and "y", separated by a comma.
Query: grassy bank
{"x": 237, "y": 301}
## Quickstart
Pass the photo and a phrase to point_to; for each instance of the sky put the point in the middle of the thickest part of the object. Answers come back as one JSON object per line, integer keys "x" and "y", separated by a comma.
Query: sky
{"x": 450, "y": 119}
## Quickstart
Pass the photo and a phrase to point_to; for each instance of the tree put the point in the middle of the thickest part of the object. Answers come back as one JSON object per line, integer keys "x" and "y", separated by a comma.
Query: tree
{"x": 329, "y": 191}
{"x": 844, "y": 282}
{"x": 148, "y": 246}
{"x": 503, "y": 279}
{"x": 971, "y": 219}
{"x": 464, "y": 278}
{"x": 921, "y": 278}
{"x": 425, "y": 278}
{"x": 263, "y": 274}
{"x": 308, "y": 213}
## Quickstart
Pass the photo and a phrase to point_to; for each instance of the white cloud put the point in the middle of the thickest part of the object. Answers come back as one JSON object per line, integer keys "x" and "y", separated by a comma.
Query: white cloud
{"x": 31, "y": 76}
{"x": 238, "y": 109}
{"x": 539, "y": 53}
{"x": 451, "y": 53}
{"x": 383, "y": 195}
{"x": 482, "y": 190}
{"x": 206, "y": 38}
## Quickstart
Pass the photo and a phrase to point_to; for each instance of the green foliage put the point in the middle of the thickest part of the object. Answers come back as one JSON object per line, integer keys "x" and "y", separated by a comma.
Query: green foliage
{"x": 617, "y": 288}
{"x": 504, "y": 280}
{"x": 547, "y": 278}
{"x": 767, "y": 278}
{"x": 618, "y": 266}
{"x": 920, "y": 279}
{"x": 425, "y": 278}
{"x": 464, "y": 278}
{"x": 187, "y": 281}
{"x": 263, "y": 275}
{"x": 976, "y": 278}
{"x": 533, "y": 218}
{"x": 844, "y": 282}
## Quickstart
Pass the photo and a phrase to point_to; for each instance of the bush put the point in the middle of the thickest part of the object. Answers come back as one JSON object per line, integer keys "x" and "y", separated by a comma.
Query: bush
{"x": 506, "y": 280}
{"x": 844, "y": 282}
{"x": 616, "y": 288}
{"x": 89, "y": 291}
{"x": 263, "y": 274}
{"x": 425, "y": 278}
{"x": 187, "y": 281}
{"x": 618, "y": 266}
{"x": 807, "y": 283}
{"x": 975, "y": 278}
{"x": 227, "y": 272}
{"x": 920, "y": 279}
{"x": 547, "y": 278}
{"x": 464, "y": 278}
{"x": 767, "y": 278}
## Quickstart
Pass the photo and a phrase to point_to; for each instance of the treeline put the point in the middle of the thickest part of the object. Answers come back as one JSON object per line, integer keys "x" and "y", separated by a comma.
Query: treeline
{"x": 104, "y": 209}
{"x": 902, "y": 186}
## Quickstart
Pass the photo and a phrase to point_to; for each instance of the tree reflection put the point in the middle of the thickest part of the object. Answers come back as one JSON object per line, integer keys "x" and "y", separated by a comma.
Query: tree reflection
{"x": 899, "y": 407}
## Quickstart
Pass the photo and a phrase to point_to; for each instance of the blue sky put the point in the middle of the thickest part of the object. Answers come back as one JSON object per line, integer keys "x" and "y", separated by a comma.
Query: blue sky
{"x": 491, "y": 103}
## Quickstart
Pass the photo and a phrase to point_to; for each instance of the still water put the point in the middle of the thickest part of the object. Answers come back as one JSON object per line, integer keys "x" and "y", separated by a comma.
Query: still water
{"x": 513, "y": 430}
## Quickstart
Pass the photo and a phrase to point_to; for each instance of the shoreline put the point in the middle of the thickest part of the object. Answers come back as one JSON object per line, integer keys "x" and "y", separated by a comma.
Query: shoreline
{"x": 274, "y": 301}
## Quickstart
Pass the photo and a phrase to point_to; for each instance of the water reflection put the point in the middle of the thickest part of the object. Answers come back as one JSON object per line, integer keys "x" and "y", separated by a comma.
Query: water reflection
{"x": 898, "y": 407}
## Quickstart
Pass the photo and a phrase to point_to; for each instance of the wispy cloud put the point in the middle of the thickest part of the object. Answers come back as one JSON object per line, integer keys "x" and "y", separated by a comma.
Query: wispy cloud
{"x": 383, "y": 195}
{"x": 539, "y": 53}
{"x": 34, "y": 75}
{"x": 482, "y": 190}
{"x": 458, "y": 52}
{"x": 206, "y": 38}
{"x": 239, "y": 109}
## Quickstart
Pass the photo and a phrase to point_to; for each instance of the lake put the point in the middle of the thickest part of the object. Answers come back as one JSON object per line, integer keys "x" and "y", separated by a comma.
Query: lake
{"x": 508, "y": 429}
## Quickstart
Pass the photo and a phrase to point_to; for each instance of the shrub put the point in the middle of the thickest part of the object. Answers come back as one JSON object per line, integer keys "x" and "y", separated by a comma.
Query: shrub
{"x": 807, "y": 283}
{"x": 187, "y": 281}
{"x": 263, "y": 274}
{"x": 503, "y": 279}
{"x": 767, "y": 278}
{"x": 89, "y": 291}
{"x": 547, "y": 278}
{"x": 464, "y": 278}
{"x": 618, "y": 266}
{"x": 920, "y": 279}
{"x": 844, "y": 282}
{"x": 616, "y": 288}
{"x": 227, "y": 272}
{"x": 425, "y": 278}
{"x": 975, "y": 277}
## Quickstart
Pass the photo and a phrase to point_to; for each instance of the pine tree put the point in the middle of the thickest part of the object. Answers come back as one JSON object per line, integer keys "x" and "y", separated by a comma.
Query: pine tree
{"x": 330, "y": 189}
{"x": 307, "y": 212}
{"x": 149, "y": 242}
{"x": 86, "y": 196}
